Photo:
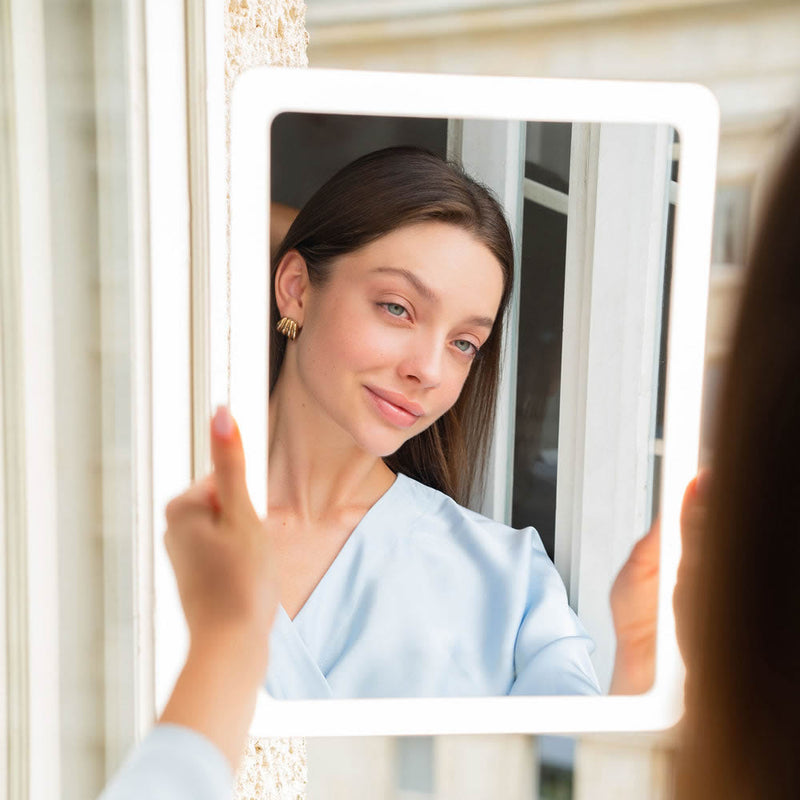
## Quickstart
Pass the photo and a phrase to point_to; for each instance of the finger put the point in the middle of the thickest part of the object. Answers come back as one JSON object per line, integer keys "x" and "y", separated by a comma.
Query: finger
{"x": 202, "y": 494}
{"x": 208, "y": 487}
{"x": 689, "y": 500}
{"x": 646, "y": 552}
{"x": 195, "y": 522}
{"x": 168, "y": 538}
{"x": 227, "y": 455}
{"x": 648, "y": 546}
{"x": 692, "y": 511}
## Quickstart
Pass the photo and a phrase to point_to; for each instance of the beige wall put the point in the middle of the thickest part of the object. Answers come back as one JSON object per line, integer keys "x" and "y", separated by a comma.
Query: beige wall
{"x": 746, "y": 51}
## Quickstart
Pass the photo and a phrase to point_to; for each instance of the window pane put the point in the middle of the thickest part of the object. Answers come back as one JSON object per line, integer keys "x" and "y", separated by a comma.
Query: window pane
{"x": 544, "y": 242}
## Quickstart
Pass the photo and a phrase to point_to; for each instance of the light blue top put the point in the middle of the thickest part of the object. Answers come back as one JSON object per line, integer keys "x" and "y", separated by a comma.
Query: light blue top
{"x": 425, "y": 599}
{"x": 173, "y": 763}
{"x": 429, "y": 599}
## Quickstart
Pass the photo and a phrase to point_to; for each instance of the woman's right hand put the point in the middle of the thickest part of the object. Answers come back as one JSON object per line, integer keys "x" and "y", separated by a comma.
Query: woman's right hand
{"x": 218, "y": 549}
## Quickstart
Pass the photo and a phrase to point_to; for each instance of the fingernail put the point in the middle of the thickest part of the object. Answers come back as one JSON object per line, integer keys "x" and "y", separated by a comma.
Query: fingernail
{"x": 223, "y": 422}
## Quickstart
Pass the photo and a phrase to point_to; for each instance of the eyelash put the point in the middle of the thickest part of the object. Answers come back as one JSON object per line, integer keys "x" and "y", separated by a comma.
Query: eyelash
{"x": 473, "y": 353}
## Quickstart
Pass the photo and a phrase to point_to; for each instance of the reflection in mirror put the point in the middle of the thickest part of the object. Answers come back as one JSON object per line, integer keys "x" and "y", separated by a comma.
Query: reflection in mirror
{"x": 406, "y": 591}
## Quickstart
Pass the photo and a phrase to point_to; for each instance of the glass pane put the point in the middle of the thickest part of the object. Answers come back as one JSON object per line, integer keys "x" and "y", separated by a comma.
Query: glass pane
{"x": 547, "y": 153}
{"x": 544, "y": 242}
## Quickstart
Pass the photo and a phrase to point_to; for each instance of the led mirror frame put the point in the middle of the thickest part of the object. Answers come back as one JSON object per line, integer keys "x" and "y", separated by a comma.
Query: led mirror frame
{"x": 258, "y": 97}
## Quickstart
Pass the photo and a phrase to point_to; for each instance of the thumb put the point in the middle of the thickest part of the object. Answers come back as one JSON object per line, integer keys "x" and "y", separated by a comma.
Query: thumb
{"x": 648, "y": 548}
{"x": 227, "y": 455}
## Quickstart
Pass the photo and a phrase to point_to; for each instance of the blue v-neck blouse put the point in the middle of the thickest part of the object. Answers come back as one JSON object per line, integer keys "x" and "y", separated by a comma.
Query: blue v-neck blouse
{"x": 429, "y": 599}
{"x": 425, "y": 599}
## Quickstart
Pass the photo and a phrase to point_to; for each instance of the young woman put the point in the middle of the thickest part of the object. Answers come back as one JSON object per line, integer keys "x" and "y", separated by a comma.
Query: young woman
{"x": 390, "y": 289}
{"x": 736, "y": 603}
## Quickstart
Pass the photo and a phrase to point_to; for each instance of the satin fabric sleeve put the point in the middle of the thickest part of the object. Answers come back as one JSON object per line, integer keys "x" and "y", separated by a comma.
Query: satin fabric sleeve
{"x": 172, "y": 763}
{"x": 552, "y": 649}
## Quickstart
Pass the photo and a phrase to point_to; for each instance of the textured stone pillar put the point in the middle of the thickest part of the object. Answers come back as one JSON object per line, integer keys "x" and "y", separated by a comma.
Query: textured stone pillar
{"x": 264, "y": 32}
{"x": 257, "y": 33}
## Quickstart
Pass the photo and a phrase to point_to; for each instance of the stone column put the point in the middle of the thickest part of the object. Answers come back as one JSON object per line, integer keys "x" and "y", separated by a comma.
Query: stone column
{"x": 257, "y": 33}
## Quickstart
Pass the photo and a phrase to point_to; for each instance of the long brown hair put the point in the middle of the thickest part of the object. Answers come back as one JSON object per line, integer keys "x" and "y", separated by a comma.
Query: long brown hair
{"x": 375, "y": 195}
{"x": 742, "y": 727}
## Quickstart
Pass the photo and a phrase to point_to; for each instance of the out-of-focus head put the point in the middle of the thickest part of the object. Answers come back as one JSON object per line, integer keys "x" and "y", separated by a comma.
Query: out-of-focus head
{"x": 417, "y": 203}
{"x": 742, "y": 736}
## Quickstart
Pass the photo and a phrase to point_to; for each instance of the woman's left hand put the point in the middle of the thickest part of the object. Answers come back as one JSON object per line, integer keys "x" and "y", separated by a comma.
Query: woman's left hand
{"x": 634, "y": 608}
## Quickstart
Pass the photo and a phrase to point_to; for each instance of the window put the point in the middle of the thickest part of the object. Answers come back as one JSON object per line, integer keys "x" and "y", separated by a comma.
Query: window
{"x": 96, "y": 372}
{"x": 600, "y": 376}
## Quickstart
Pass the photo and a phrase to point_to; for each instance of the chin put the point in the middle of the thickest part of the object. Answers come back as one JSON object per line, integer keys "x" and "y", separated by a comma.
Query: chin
{"x": 383, "y": 444}
{"x": 384, "y": 450}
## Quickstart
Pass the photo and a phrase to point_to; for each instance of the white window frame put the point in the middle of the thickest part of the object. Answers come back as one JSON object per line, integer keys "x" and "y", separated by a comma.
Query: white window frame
{"x": 188, "y": 186}
{"x": 29, "y": 524}
{"x": 493, "y": 152}
{"x": 619, "y": 182}
{"x": 124, "y": 346}
{"x": 160, "y": 224}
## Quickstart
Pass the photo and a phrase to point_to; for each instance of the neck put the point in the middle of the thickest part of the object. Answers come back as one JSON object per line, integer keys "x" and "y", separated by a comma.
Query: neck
{"x": 316, "y": 470}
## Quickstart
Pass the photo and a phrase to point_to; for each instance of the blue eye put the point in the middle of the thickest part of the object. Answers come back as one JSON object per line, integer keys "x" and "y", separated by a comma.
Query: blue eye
{"x": 395, "y": 309}
{"x": 466, "y": 347}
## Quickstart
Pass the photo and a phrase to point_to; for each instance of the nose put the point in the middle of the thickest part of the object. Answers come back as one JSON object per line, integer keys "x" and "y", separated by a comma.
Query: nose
{"x": 422, "y": 363}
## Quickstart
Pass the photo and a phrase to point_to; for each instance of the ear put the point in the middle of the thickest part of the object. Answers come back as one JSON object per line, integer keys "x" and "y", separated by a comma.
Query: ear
{"x": 291, "y": 286}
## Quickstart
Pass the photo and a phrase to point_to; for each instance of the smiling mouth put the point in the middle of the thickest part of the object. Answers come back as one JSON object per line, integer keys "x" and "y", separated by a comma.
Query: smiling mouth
{"x": 403, "y": 416}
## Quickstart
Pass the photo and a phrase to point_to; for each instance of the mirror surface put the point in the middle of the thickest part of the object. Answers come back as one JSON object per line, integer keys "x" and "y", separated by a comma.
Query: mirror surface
{"x": 423, "y": 598}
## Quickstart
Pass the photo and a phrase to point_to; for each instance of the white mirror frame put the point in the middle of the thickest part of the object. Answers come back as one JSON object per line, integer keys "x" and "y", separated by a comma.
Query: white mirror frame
{"x": 262, "y": 94}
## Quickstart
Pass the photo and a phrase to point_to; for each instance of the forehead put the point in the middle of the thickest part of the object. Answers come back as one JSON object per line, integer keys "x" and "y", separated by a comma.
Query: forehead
{"x": 449, "y": 260}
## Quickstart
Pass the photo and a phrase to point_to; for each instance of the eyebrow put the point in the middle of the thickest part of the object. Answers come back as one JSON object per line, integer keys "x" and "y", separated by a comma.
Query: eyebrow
{"x": 425, "y": 291}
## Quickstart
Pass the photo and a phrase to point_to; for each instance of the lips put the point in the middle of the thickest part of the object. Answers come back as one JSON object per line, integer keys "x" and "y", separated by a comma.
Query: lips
{"x": 394, "y": 407}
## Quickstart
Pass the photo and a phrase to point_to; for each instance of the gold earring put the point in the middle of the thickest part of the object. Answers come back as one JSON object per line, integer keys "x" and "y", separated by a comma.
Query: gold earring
{"x": 288, "y": 327}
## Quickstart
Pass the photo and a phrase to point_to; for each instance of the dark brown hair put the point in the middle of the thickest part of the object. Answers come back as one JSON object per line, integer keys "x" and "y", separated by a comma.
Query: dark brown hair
{"x": 375, "y": 195}
{"x": 742, "y": 736}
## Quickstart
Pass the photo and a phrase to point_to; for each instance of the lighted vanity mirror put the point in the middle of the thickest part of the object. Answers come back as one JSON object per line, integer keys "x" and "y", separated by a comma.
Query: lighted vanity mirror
{"x": 433, "y": 615}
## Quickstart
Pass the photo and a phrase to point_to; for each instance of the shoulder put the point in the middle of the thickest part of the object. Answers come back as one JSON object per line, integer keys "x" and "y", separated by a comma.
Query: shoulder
{"x": 438, "y": 514}
{"x": 442, "y": 525}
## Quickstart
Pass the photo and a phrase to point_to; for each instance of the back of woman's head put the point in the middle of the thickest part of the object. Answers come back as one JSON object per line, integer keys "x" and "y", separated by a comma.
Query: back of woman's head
{"x": 371, "y": 197}
{"x": 743, "y": 680}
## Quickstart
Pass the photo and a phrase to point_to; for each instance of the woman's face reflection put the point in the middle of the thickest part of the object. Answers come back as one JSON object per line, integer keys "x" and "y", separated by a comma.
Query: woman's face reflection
{"x": 388, "y": 341}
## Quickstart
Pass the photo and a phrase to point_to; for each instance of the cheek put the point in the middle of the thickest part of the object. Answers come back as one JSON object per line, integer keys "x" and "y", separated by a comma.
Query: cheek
{"x": 454, "y": 387}
{"x": 346, "y": 337}
{"x": 450, "y": 389}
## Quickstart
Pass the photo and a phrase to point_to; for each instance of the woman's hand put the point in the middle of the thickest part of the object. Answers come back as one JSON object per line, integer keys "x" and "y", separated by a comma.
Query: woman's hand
{"x": 684, "y": 599}
{"x": 634, "y": 608}
{"x": 218, "y": 549}
{"x": 634, "y": 597}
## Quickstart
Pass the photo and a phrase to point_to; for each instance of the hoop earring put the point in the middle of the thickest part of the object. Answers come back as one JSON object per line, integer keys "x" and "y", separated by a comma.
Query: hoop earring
{"x": 288, "y": 327}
